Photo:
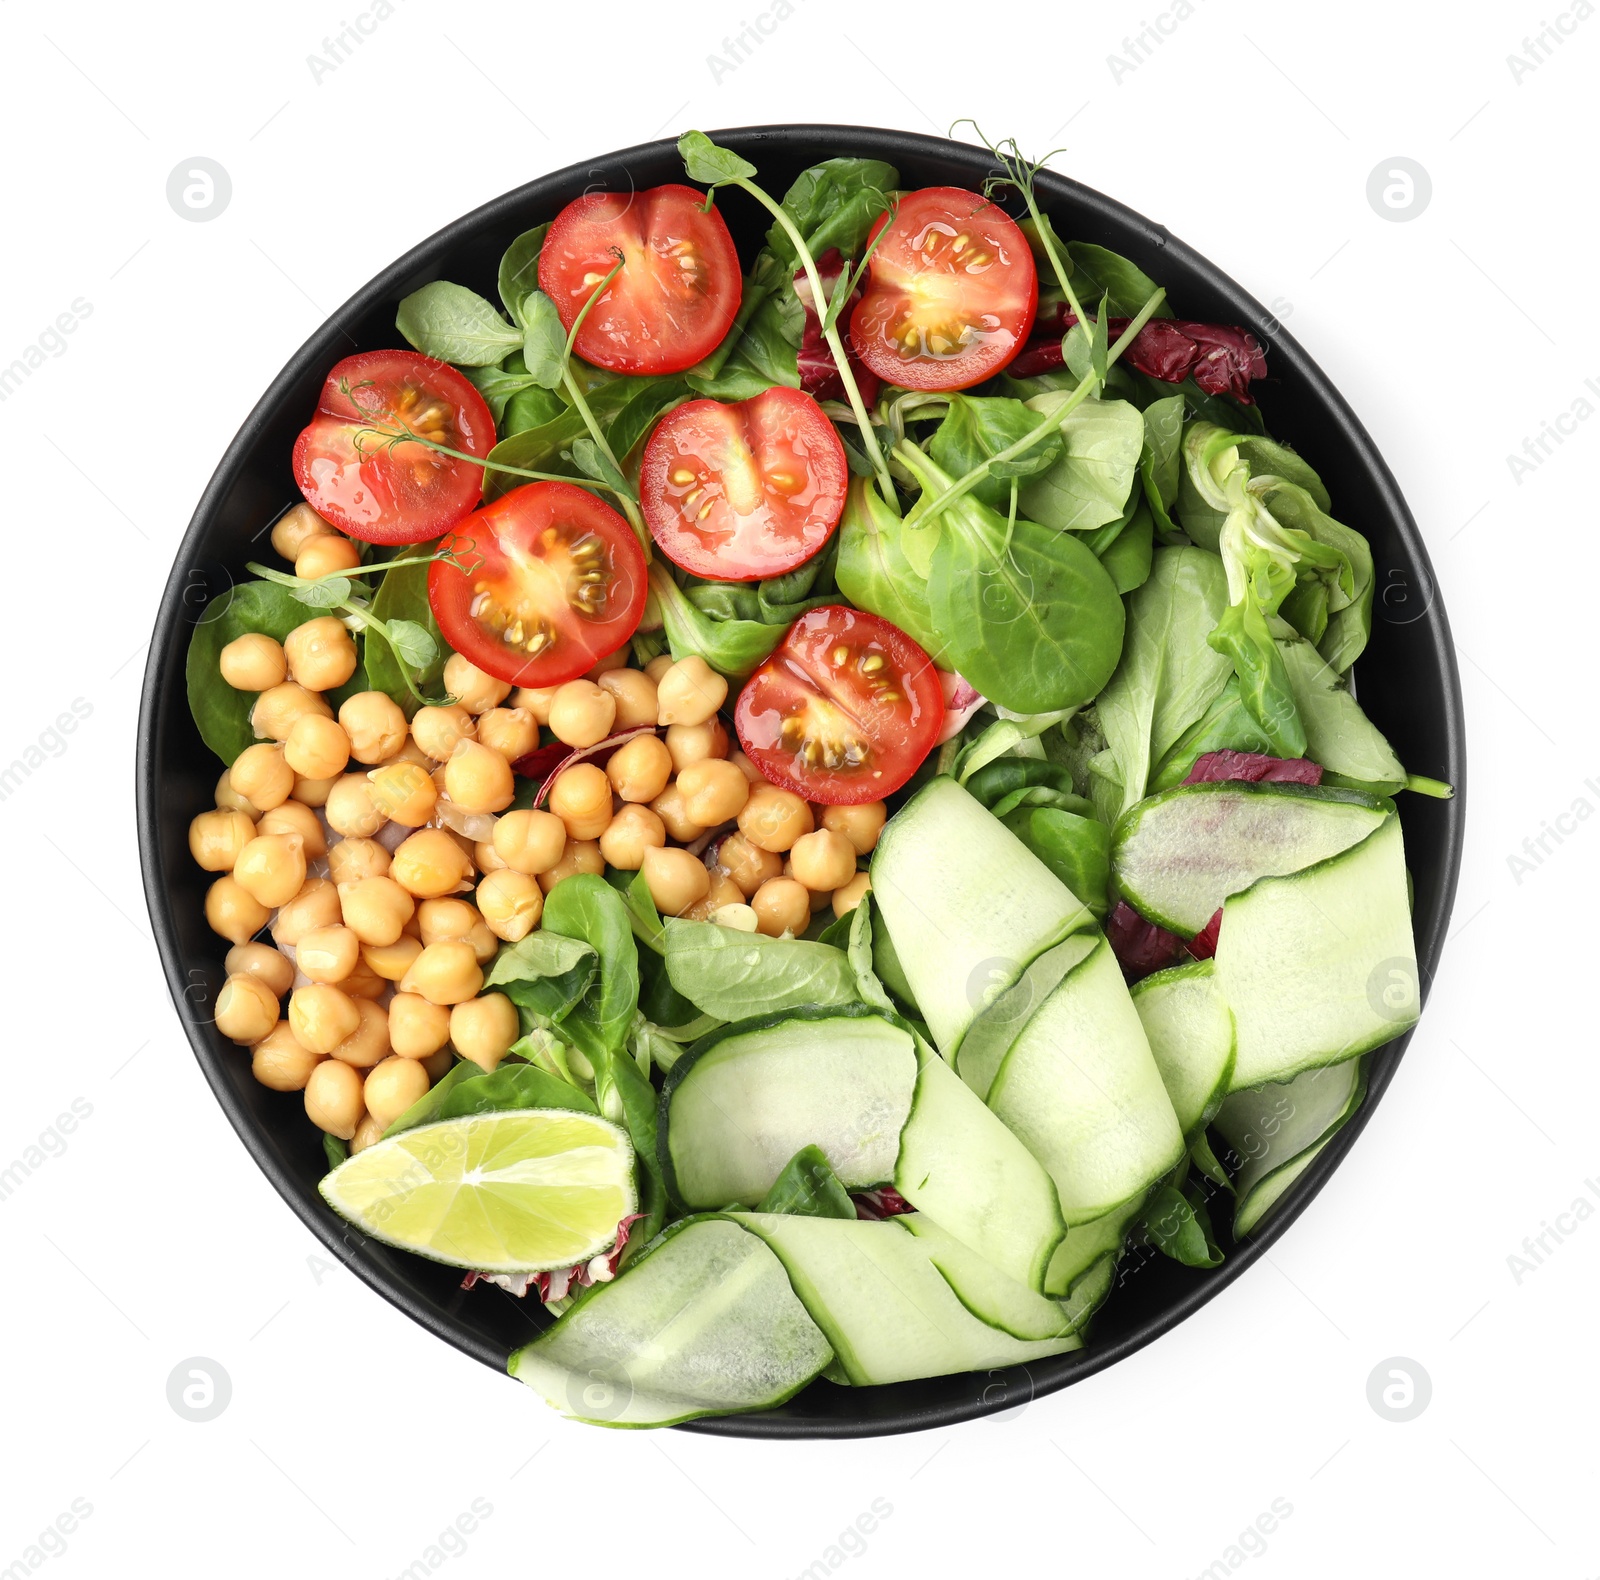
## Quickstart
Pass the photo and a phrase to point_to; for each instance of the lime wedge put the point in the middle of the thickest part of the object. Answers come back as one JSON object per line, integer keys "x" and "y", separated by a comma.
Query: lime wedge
{"x": 517, "y": 1192}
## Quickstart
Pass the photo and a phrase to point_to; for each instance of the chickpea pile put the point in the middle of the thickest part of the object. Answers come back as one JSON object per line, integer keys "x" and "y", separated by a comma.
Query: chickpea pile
{"x": 330, "y": 834}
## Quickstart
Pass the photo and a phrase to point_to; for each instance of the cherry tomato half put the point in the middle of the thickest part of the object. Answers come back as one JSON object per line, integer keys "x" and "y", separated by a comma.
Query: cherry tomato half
{"x": 561, "y": 583}
{"x": 951, "y": 293}
{"x": 845, "y": 709}
{"x": 379, "y": 490}
{"x": 679, "y": 289}
{"x": 745, "y": 491}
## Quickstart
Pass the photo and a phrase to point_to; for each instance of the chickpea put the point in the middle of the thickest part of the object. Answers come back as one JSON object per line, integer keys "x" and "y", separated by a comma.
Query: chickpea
{"x": 322, "y": 1016}
{"x": 365, "y": 983}
{"x": 351, "y": 810}
{"x": 669, "y": 807}
{"x": 247, "y": 1009}
{"x": 479, "y": 779}
{"x": 438, "y": 919}
{"x": 782, "y": 905}
{"x": 774, "y": 819}
{"x": 474, "y": 690}
{"x": 272, "y": 867}
{"x": 368, "y": 1044}
{"x": 316, "y": 747}
{"x": 748, "y": 865}
{"x": 530, "y": 842}
{"x": 376, "y": 726}
{"x": 324, "y": 555}
{"x": 216, "y": 838}
{"x": 375, "y": 909}
{"x": 280, "y": 1062}
{"x": 321, "y": 654}
{"x": 634, "y": 830}
{"x": 676, "y": 879}
{"x": 640, "y": 769}
{"x": 327, "y": 954}
{"x": 410, "y": 752}
{"x": 295, "y": 817}
{"x": 440, "y": 1064}
{"x": 536, "y": 699}
{"x": 848, "y": 896}
{"x": 614, "y": 660}
{"x": 312, "y": 792}
{"x": 511, "y": 903}
{"x": 694, "y": 743}
{"x": 404, "y": 792}
{"x": 430, "y": 863}
{"x": 391, "y": 961}
{"x": 233, "y": 911}
{"x": 278, "y": 707}
{"x": 350, "y": 860}
{"x": 444, "y": 973}
{"x": 486, "y": 858}
{"x": 859, "y": 824}
{"x": 741, "y": 918}
{"x": 823, "y": 860}
{"x": 658, "y": 666}
{"x": 581, "y": 798}
{"x": 295, "y": 528}
{"x": 634, "y": 694}
{"x": 819, "y": 897}
{"x": 263, "y": 962}
{"x": 513, "y": 732}
{"x": 723, "y": 894}
{"x": 367, "y": 1132}
{"x": 581, "y": 713}
{"x": 315, "y": 905}
{"x": 713, "y": 791}
{"x": 417, "y": 1028}
{"x": 252, "y": 662}
{"x": 438, "y": 731}
{"x": 483, "y": 1029}
{"x": 581, "y": 855}
{"x": 333, "y": 1098}
{"x": 261, "y": 776}
{"x": 690, "y": 692}
{"x": 228, "y": 799}
{"x": 392, "y": 1087}
{"x": 747, "y": 768}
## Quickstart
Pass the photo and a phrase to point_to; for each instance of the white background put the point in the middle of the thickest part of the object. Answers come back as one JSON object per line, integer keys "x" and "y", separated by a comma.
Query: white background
{"x": 352, "y": 1439}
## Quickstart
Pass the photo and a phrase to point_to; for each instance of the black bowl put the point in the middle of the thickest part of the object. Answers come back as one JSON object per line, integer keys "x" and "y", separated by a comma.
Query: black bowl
{"x": 1408, "y": 684}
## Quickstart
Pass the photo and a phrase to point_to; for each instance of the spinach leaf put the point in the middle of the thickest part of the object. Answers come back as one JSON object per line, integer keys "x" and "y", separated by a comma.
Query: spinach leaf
{"x": 1348, "y": 615}
{"x": 833, "y": 204}
{"x": 626, "y": 1097}
{"x": 586, "y": 908}
{"x": 544, "y": 340}
{"x": 1338, "y": 733}
{"x": 1100, "y": 272}
{"x": 1127, "y": 558}
{"x": 467, "y": 1090}
{"x": 403, "y": 596}
{"x": 453, "y": 324}
{"x": 1245, "y": 637}
{"x": 735, "y": 975}
{"x": 1076, "y": 848}
{"x": 1161, "y": 461}
{"x": 1225, "y": 726}
{"x": 1001, "y": 740}
{"x": 765, "y": 339}
{"x": 519, "y": 271}
{"x": 546, "y": 975}
{"x": 808, "y": 1188}
{"x": 868, "y": 988}
{"x": 645, "y": 407}
{"x": 529, "y": 408}
{"x": 1177, "y": 1224}
{"x": 1088, "y": 485}
{"x": 544, "y": 1050}
{"x": 499, "y": 384}
{"x": 1169, "y": 673}
{"x": 874, "y": 573}
{"x": 978, "y": 427}
{"x": 337, "y": 1152}
{"x": 222, "y": 714}
{"x": 547, "y": 448}
{"x": 996, "y": 781}
{"x": 731, "y": 647}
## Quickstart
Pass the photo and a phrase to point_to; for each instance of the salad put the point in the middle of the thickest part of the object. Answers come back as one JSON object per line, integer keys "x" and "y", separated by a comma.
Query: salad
{"x": 793, "y": 807}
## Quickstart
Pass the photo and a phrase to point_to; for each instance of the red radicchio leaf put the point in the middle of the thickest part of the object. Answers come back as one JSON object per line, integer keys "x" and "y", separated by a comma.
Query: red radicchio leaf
{"x": 1254, "y": 768}
{"x": 1140, "y": 946}
{"x": 548, "y": 763}
{"x": 885, "y": 1202}
{"x": 1204, "y": 943}
{"x": 560, "y": 1282}
{"x": 961, "y": 701}
{"x": 819, "y": 374}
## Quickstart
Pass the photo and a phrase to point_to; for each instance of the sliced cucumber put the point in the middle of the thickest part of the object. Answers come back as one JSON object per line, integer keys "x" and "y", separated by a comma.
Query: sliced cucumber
{"x": 1178, "y": 855}
{"x": 1087, "y": 1245}
{"x": 704, "y": 1323}
{"x": 1319, "y": 966}
{"x": 743, "y": 1100}
{"x": 998, "y": 1023}
{"x": 1278, "y": 1130}
{"x": 984, "y": 1290}
{"x": 886, "y": 1309}
{"x": 1089, "y": 1292}
{"x": 962, "y": 1167}
{"x": 1190, "y": 1030}
{"x": 968, "y": 905}
{"x": 1081, "y": 1089}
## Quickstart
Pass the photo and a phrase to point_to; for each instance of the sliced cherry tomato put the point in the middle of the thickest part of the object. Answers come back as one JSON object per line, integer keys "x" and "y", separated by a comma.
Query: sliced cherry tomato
{"x": 561, "y": 583}
{"x": 951, "y": 293}
{"x": 679, "y": 289}
{"x": 845, "y": 709}
{"x": 386, "y": 491}
{"x": 741, "y": 492}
